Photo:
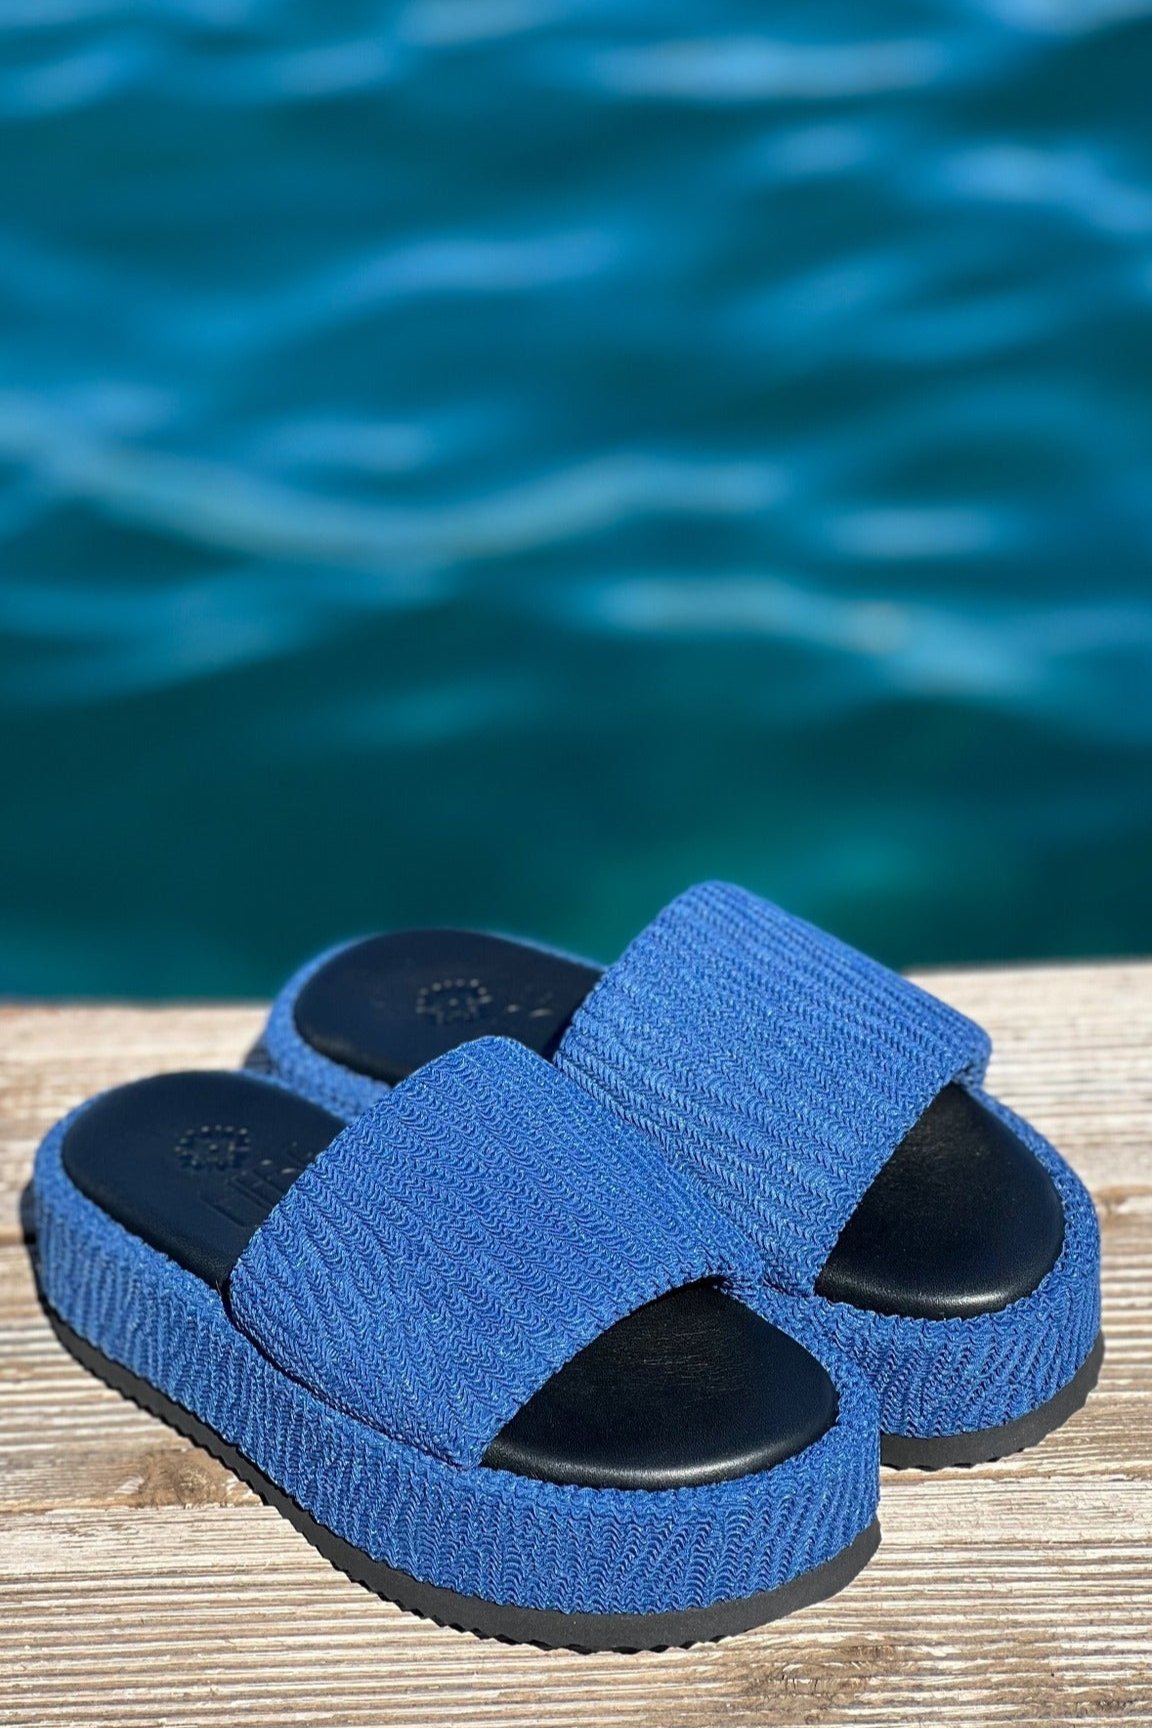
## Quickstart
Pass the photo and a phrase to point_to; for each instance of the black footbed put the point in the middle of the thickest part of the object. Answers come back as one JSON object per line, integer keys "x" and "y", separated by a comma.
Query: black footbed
{"x": 962, "y": 1220}
{"x": 389, "y": 1004}
{"x": 691, "y": 1388}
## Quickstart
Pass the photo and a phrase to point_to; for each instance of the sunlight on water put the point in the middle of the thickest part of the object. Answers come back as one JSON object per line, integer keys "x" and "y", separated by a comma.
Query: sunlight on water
{"x": 499, "y": 460}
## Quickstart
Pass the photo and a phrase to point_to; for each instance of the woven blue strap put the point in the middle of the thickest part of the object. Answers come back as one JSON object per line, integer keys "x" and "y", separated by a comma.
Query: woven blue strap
{"x": 457, "y": 1245}
{"x": 770, "y": 1061}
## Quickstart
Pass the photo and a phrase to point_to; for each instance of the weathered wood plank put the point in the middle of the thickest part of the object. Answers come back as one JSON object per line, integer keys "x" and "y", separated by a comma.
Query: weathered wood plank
{"x": 141, "y": 1584}
{"x": 1073, "y": 1053}
{"x": 986, "y": 1603}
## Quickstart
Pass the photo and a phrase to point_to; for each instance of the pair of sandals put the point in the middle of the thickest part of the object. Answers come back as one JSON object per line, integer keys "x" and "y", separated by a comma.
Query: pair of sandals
{"x": 590, "y": 1333}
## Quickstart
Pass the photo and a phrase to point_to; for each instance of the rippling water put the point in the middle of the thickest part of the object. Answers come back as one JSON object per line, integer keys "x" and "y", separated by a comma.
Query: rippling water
{"x": 500, "y": 460}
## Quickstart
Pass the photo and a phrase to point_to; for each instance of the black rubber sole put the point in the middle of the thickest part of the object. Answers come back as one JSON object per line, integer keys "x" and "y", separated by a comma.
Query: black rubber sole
{"x": 546, "y": 1627}
{"x": 983, "y": 1445}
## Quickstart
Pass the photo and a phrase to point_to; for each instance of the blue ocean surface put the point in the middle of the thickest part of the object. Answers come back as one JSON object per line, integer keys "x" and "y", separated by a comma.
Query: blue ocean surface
{"x": 498, "y": 461}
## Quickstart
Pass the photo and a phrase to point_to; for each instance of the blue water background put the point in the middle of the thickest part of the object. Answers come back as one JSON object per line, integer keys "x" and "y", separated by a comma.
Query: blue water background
{"x": 498, "y": 461}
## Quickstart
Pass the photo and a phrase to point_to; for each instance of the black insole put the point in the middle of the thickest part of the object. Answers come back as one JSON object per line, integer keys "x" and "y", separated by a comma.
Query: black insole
{"x": 389, "y": 1004}
{"x": 194, "y": 1163}
{"x": 962, "y": 1219}
{"x": 692, "y": 1388}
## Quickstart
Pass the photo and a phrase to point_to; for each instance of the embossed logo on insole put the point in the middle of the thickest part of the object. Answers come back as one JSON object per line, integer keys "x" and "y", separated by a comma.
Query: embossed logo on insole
{"x": 214, "y": 1146}
{"x": 249, "y": 1195}
{"x": 452, "y": 1000}
{"x": 456, "y": 1001}
{"x": 246, "y": 1185}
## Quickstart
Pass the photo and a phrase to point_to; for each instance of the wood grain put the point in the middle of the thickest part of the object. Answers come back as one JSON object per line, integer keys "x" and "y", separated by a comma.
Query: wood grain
{"x": 140, "y": 1583}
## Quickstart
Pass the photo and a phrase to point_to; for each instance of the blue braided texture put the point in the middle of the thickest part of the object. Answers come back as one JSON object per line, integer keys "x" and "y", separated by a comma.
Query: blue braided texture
{"x": 458, "y": 1244}
{"x": 480, "y": 1532}
{"x": 780, "y": 1069}
{"x": 773, "y": 1063}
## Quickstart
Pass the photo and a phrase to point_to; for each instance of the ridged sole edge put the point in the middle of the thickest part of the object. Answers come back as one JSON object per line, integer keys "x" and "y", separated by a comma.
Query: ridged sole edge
{"x": 548, "y": 1628}
{"x": 985, "y": 1445}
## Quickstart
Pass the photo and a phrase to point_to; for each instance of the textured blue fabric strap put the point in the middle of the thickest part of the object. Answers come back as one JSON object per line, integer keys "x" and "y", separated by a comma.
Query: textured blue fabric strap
{"x": 457, "y": 1245}
{"x": 768, "y": 1060}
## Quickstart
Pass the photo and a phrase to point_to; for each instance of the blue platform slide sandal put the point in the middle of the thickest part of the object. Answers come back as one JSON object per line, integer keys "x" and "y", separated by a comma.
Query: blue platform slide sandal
{"x": 482, "y": 1347}
{"x": 831, "y": 1110}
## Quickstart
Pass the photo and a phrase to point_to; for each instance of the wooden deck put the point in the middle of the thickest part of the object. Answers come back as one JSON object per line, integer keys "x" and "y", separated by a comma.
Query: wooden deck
{"x": 140, "y": 1583}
